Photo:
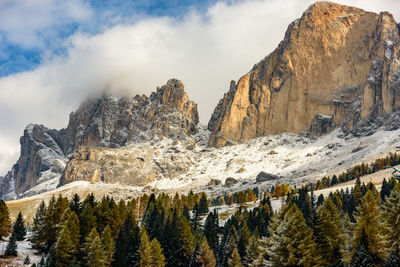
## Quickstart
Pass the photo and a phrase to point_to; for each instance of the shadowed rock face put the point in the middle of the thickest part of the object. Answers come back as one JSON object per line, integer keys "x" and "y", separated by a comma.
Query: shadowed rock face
{"x": 103, "y": 122}
{"x": 114, "y": 122}
{"x": 338, "y": 66}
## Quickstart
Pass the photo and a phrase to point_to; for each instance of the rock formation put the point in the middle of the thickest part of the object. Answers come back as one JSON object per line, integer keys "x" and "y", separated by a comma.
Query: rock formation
{"x": 103, "y": 122}
{"x": 338, "y": 66}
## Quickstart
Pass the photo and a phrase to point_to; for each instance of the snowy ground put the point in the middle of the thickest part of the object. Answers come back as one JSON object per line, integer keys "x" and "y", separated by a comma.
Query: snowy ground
{"x": 24, "y": 248}
{"x": 296, "y": 159}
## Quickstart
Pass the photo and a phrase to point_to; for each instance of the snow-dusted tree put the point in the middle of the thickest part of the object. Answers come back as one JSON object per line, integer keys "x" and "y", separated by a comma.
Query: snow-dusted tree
{"x": 253, "y": 250}
{"x": 38, "y": 220}
{"x": 362, "y": 255}
{"x": 391, "y": 215}
{"x": 369, "y": 220}
{"x": 11, "y": 249}
{"x": 290, "y": 242}
{"x": 329, "y": 233}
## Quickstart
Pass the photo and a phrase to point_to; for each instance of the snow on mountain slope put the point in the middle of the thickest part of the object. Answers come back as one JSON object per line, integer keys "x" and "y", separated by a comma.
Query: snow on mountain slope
{"x": 295, "y": 159}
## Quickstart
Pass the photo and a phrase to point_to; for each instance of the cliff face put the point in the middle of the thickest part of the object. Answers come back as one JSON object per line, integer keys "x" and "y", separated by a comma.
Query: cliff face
{"x": 338, "y": 66}
{"x": 103, "y": 122}
{"x": 114, "y": 122}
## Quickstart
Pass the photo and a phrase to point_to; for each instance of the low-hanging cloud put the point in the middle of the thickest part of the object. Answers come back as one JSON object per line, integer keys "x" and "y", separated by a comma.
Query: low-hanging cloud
{"x": 204, "y": 50}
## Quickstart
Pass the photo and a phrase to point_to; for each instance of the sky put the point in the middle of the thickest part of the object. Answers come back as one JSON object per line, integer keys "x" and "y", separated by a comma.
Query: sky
{"x": 54, "y": 53}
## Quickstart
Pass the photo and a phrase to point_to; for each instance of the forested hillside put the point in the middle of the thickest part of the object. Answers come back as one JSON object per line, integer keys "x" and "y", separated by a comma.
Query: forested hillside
{"x": 348, "y": 228}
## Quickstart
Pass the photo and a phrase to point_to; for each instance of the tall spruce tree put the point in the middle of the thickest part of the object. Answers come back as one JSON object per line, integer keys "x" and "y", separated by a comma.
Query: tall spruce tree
{"x": 253, "y": 250}
{"x": 203, "y": 204}
{"x": 362, "y": 255}
{"x": 234, "y": 259}
{"x": 108, "y": 244}
{"x": 244, "y": 240}
{"x": 188, "y": 242}
{"x": 145, "y": 250}
{"x": 76, "y": 205}
{"x": 5, "y": 221}
{"x": 329, "y": 233}
{"x": 65, "y": 249}
{"x": 38, "y": 223}
{"x": 11, "y": 249}
{"x": 210, "y": 230}
{"x": 291, "y": 242}
{"x": 205, "y": 258}
{"x": 94, "y": 252}
{"x": 19, "y": 228}
{"x": 158, "y": 259}
{"x": 391, "y": 216}
{"x": 369, "y": 220}
{"x": 127, "y": 244}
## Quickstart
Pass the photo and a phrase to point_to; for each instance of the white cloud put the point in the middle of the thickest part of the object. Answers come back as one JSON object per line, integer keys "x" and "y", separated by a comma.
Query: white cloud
{"x": 27, "y": 22}
{"x": 205, "y": 51}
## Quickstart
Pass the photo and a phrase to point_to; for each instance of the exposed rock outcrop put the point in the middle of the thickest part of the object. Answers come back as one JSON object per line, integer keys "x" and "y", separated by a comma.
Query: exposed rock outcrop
{"x": 264, "y": 177}
{"x": 108, "y": 122}
{"x": 114, "y": 122}
{"x": 338, "y": 66}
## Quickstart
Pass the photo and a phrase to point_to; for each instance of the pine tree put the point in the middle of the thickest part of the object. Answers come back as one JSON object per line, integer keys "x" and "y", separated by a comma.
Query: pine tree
{"x": 158, "y": 259}
{"x": 253, "y": 250}
{"x": 210, "y": 230}
{"x": 234, "y": 260}
{"x": 94, "y": 252}
{"x": 391, "y": 217}
{"x": 188, "y": 241}
{"x": 87, "y": 221}
{"x": 76, "y": 205}
{"x": 144, "y": 250}
{"x": 5, "y": 221}
{"x": 205, "y": 258}
{"x": 291, "y": 242}
{"x": 203, "y": 204}
{"x": 329, "y": 232}
{"x": 108, "y": 245}
{"x": 362, "y": 255}
{"x": 231, "y": 245}
{"x": 368, "y": 220}
{"x": 11, "y": 249}
{"x": 27, "y": 260}
{"x": 65, "y": 248}
{"x": 244, "y": 240}
{"x": 127, "y": 244}
{"x": 38, "y": 224}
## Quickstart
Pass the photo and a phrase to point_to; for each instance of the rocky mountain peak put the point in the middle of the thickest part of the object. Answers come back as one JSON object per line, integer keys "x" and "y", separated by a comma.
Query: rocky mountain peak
{"x": 105, "y": 121}
{"x": 336, "y": 67}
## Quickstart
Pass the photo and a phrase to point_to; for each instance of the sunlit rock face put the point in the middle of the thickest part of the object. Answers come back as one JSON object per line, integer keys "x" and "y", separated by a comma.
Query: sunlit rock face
{"x": 338, "y": 66}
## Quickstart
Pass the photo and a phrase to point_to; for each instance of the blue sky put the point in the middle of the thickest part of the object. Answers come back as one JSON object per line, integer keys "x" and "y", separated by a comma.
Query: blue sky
{"x": 17, "y": 56}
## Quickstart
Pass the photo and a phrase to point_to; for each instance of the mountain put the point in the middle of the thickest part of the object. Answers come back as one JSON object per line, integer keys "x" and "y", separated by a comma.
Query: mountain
{"x": 106, "y": 121}
{"x": 321, "y": 102}
{"x": 338, "y": 66}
